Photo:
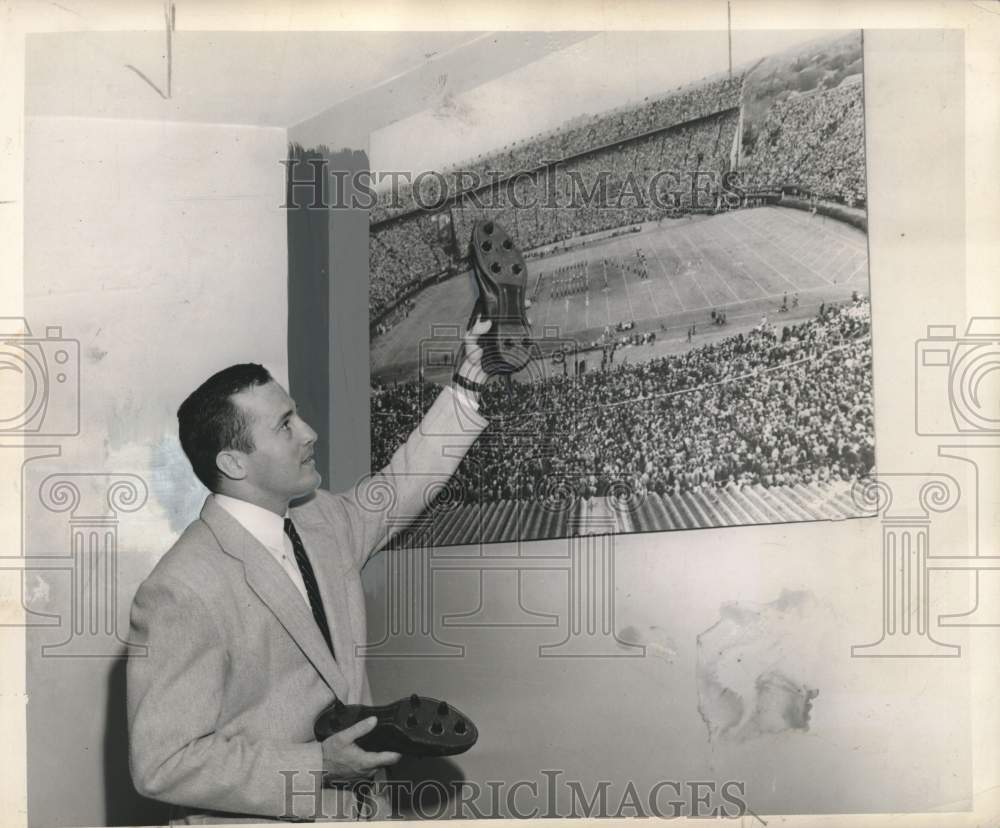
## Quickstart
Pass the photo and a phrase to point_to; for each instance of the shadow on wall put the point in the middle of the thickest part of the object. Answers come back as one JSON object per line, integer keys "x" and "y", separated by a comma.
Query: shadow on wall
{"x": 123, "y": 804}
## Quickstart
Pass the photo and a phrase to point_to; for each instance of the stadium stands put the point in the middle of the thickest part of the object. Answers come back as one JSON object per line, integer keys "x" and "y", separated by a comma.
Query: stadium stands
{"x": 814, "y": 142}
{"x": 600, "y": 131}
{"x": 400, "y": 254}
{"x": 759, "y": 409}
{"x": 513, "y": 520}
{"x": 628, "y": 177}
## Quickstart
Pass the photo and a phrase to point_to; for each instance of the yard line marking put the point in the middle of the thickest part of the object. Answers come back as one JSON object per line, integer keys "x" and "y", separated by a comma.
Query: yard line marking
{"x": 821, "y": 276}
{"x": 817, "y": 251}
{"x": 805, "y": 239}
{"x": 843, "y": 265}
{"x": 824, "y": 252}
{"x": 739, "y": 250}
{"x": 801, "y": 220}
{"x": 858, "y": 269}
{"x": 652, "y": 299}
{"x": 718, "y": 273}
{"x": 750, "y": 248}
{"x": 693, "y": 280}
{"x": 666, "y": 275}
{"x": 837, "y": 261}
{"x": 628, "y": 295}
{"x": 746, "y": 270}
{"x": 607, "y": 305}
{"x": 814, "y": 229}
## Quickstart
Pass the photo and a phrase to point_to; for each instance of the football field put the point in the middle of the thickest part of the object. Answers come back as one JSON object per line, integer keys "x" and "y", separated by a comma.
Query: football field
{"x": 744, "y": 263}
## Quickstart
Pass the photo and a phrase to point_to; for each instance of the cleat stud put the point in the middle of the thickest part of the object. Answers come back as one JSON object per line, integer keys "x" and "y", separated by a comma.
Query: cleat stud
{"x": 460, "y": 726}
{"x": 437, "y": 728}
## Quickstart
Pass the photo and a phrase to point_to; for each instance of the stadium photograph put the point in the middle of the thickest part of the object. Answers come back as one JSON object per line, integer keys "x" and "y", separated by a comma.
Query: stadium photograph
{"x": 696, "y": 292}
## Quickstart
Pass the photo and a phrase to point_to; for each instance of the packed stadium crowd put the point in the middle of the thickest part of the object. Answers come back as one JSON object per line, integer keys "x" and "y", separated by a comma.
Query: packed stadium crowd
{"x": 814, "y": 141}
{"x": 613, "y": 187}
{"x": 765, "y": 407}
{"x": 597, "y": 131}
{"x": 399, "y": 256}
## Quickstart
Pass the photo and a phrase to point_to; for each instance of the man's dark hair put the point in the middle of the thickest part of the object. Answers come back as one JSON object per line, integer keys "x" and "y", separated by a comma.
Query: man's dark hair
{"x": 209, "y": 421}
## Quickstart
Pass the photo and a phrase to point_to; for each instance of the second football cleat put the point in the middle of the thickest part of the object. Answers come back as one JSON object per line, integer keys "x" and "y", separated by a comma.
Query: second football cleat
{"x": 414, "y": 726}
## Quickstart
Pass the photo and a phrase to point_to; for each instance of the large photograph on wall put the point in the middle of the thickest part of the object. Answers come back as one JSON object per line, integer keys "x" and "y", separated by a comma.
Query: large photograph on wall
{"x": 693, "y": 224}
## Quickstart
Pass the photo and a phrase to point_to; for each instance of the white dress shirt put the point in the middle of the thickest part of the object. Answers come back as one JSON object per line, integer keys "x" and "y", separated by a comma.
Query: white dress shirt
{"x": 269, "y": 529}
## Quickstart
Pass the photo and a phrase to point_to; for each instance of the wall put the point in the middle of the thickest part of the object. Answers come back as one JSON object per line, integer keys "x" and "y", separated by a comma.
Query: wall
{"x": 161, "y": 250}
{"x": 801, "y": 595}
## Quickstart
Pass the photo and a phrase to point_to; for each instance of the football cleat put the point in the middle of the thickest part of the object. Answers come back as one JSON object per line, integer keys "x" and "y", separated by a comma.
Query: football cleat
{"x": 414, "y": 726}
{"x": 501, "y": 277}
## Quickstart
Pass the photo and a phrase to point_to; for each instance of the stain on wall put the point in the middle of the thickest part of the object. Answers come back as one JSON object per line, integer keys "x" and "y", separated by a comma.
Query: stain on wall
{"x": 172, "y": 483}
{"x": 756, "y": 667}
{"x": 657, "y": 643}
{"x": 125, "y": 421}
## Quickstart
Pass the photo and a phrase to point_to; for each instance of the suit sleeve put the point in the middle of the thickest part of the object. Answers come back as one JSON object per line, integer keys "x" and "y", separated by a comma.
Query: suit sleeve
{"x": 174, "y": 695}
{"x": 382, "y": 503}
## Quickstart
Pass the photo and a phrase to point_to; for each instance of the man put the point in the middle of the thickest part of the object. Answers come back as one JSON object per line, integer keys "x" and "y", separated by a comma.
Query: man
{"x": 252, "y": 620}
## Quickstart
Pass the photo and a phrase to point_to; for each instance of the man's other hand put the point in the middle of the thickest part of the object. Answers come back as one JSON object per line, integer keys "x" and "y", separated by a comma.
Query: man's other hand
{"x": 344, "y": 761}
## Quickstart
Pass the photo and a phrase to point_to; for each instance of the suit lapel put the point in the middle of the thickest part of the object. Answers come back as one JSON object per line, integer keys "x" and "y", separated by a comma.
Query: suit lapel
{"x": 332, "y": 588}
{"x": 268, "y": 580}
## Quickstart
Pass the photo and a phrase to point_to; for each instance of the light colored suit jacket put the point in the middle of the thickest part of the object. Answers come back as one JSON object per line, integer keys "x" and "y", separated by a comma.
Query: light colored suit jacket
{"x": 237, "y": 670}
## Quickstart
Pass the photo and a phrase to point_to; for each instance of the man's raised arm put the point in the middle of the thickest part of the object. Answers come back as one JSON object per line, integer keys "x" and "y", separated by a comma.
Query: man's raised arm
{"x": 426, "y": 461}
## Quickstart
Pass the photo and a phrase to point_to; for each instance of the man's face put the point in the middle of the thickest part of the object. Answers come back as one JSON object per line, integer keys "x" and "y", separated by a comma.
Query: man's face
{"x": 281, "y": 466}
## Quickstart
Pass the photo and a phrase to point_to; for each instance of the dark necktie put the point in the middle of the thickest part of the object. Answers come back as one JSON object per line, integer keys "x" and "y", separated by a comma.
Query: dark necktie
{"x": 309, "y": 579}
